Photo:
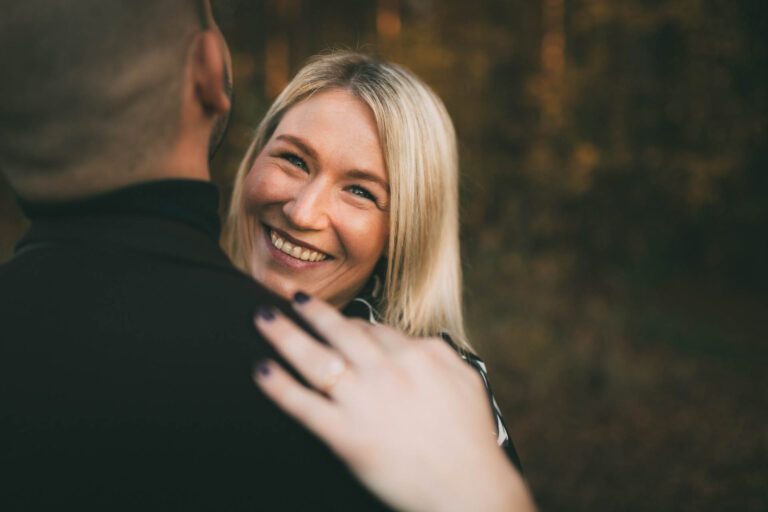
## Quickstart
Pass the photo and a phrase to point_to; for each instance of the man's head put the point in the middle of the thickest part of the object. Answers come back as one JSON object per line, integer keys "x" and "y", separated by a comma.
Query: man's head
{"x": 98, "y": 94}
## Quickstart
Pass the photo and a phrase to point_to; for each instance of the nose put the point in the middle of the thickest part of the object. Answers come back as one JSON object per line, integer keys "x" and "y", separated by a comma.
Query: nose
{"x": 309, "y": 208}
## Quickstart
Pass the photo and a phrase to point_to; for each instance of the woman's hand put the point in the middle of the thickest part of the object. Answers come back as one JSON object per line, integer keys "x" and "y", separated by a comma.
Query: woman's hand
{"x": 408, "y": 417}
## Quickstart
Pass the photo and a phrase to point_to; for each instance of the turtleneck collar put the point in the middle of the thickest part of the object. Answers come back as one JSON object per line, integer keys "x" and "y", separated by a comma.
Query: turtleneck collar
{"x": 192, "y": 202}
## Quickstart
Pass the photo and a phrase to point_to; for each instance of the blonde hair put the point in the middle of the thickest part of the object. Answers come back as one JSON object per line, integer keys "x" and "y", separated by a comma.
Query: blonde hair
{"x": 422, "y": 293}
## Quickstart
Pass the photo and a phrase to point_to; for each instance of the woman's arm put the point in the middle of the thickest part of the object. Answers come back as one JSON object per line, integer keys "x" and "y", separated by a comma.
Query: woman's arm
{"x": 408, "y": 417}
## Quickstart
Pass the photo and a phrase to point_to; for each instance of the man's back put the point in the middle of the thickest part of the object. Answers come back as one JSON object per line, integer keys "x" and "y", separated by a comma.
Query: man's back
{"x": 125, "y": 361}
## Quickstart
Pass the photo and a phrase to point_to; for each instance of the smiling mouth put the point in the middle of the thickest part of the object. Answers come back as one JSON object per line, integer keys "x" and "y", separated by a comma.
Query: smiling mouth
{"x": 295, "y": 250}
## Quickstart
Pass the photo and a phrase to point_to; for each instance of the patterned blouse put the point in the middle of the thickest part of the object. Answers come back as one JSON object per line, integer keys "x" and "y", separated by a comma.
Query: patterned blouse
{"x": 362, "y": 307}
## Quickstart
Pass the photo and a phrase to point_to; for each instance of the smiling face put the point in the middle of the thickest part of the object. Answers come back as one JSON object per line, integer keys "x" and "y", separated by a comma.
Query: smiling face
{"x": 318, "y": 199}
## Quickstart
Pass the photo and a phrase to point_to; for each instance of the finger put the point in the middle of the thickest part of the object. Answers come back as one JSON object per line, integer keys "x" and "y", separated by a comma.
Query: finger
{"x": 354, "y": 343}
{"x": 314, "y": 411}
{"x": 321, "y": 366}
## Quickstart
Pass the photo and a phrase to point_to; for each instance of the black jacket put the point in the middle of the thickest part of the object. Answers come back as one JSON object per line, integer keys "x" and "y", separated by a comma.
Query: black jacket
{"x": 126, "y": 349}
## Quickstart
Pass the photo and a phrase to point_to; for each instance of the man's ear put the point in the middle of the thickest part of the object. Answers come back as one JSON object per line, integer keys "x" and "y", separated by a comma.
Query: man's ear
{"x": 208, "y": 73}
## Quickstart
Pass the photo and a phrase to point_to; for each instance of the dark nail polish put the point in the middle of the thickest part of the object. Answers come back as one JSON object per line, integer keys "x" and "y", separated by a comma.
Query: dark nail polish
{"x": 265, "y": 313}
{"x": 262, "y": 368}
{"x": 301, "y": 298}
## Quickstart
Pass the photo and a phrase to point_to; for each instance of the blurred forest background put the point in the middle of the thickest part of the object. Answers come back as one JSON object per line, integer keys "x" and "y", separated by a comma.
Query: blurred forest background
{"x": 615, "y": 221}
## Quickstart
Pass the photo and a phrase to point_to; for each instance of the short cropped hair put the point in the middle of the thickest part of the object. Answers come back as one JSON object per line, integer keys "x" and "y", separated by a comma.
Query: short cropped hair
{"x": 89, "y": 84}
{"x": 423, "y": 286}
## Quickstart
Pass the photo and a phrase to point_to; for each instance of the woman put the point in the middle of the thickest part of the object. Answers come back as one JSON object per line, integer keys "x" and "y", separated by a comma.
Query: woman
{"x": 349, "y": 191}
{"x": 413, "y": 151}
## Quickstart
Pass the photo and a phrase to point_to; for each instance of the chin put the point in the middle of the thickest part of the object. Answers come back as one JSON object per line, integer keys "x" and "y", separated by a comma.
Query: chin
{"x": 285, "y": 290}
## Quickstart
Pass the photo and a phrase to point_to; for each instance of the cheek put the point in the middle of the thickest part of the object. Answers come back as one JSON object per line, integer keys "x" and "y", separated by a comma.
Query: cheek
{"x": 263, "y": 186}
{"x": 366, "y": 237}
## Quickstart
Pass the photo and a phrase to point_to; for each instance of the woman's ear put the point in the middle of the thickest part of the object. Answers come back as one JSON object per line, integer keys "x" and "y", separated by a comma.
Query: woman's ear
{"x": 379, "y": 276}
{"x": 208, "y": 63}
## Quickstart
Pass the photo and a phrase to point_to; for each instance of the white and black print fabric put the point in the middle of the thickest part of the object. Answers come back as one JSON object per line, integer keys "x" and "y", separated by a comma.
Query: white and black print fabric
{"x": 502, "y": 436}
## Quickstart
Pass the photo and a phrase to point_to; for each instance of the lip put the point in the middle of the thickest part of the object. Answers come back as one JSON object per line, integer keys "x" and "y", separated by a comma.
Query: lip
{"x": 284, "y": 259}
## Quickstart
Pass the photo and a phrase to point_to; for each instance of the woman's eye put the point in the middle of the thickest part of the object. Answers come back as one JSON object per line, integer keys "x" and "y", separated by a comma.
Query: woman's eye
{"x": 295, "y": 161}
{"x": 361, "y": 192}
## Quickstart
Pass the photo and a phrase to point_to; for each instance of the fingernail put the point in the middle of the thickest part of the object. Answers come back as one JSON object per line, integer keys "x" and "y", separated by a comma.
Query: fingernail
{"x": 265, "y": 313}
{"x": 301, "y": 297}
{"x": 262, "y": 369}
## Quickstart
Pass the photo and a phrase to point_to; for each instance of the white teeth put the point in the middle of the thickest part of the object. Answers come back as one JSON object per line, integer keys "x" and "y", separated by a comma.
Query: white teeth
{"x": 276, "y": 240}
{"x": 294, "y": 250}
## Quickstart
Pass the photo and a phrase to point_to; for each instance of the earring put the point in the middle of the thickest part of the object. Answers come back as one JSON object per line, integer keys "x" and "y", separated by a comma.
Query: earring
{"x": 376, "y": 287}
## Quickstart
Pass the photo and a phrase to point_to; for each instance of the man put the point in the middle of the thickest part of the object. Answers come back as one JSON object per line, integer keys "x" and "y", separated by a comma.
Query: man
{"x": 126, "y": 341}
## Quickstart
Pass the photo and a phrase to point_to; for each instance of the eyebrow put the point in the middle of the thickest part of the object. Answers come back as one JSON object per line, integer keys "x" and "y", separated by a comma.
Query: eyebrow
{"x": 296, "y": 141}
{"x": 354, "y": 173}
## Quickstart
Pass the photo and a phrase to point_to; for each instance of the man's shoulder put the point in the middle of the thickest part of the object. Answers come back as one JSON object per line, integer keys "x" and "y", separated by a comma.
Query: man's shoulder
{"x": 158, "y": 293}
{"x": 107, "y": 248}
{"x": 145, "y": 356}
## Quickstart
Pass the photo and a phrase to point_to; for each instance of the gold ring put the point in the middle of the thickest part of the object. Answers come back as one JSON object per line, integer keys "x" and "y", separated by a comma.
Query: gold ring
{"x": 336, "y": 369}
